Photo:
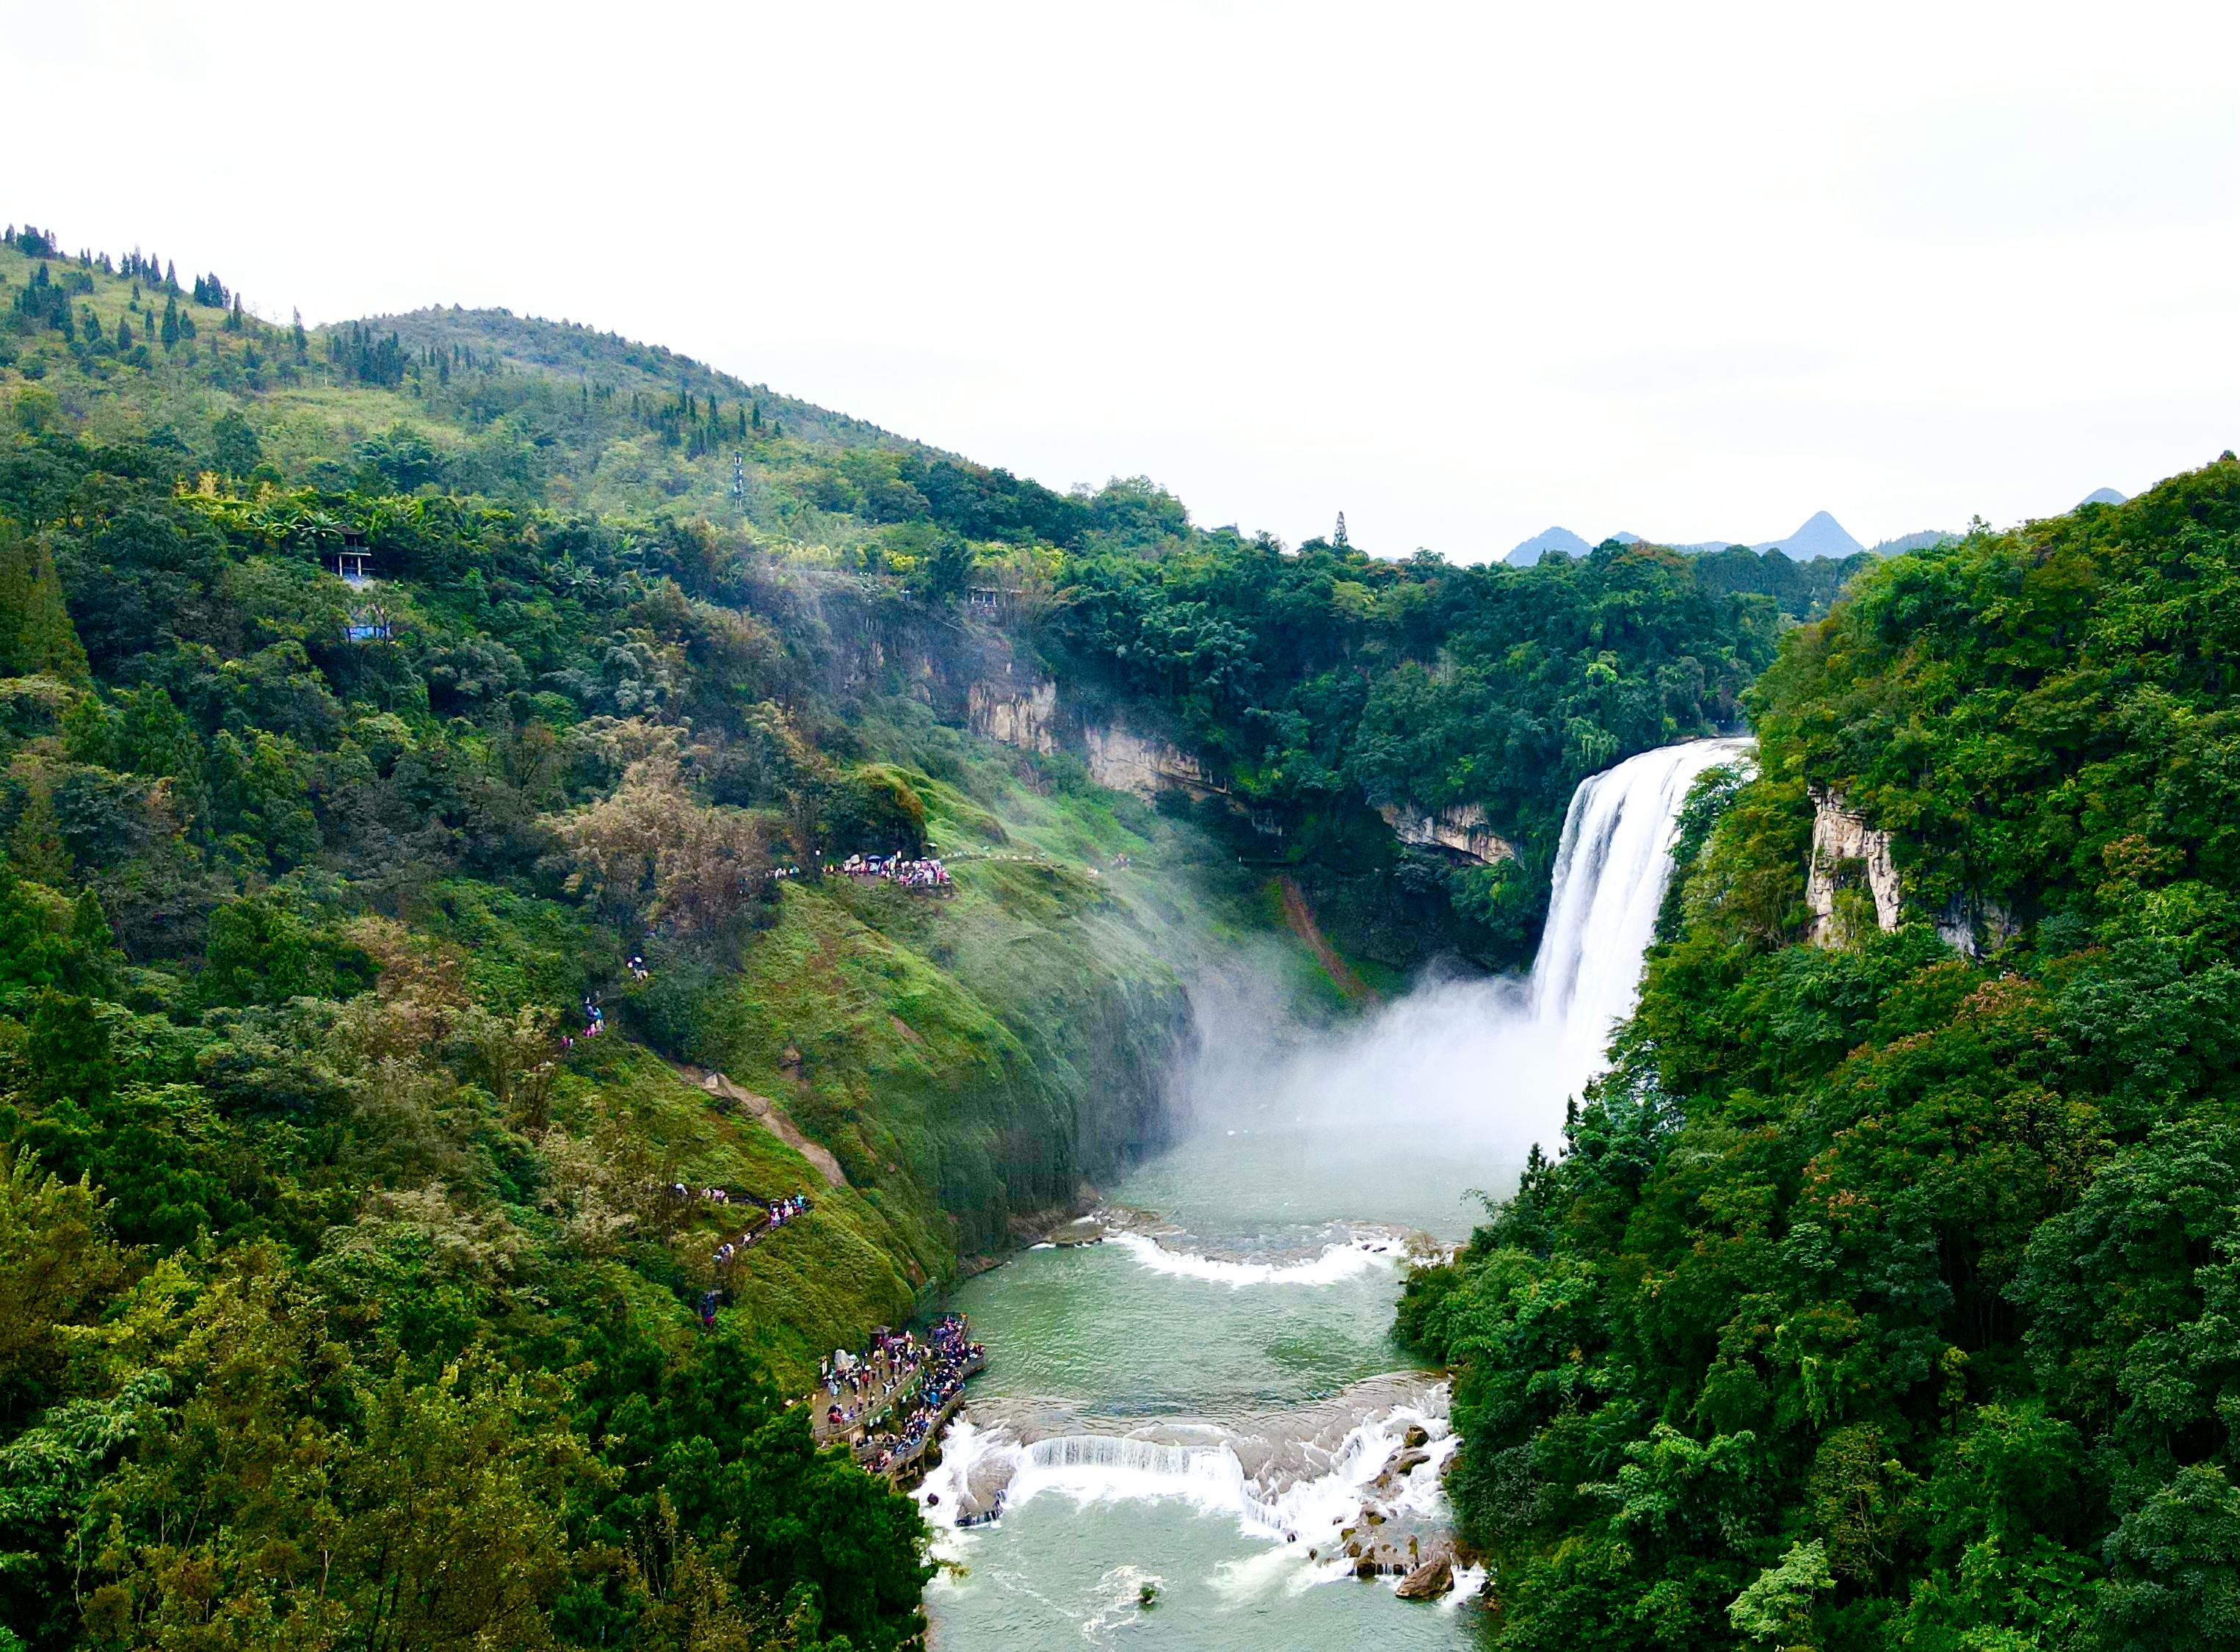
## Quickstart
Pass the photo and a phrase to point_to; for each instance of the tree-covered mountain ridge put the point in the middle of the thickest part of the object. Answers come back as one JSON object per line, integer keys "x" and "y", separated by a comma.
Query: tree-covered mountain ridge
{"x": 1884, "y": 1294}
{"x": 1331, "y": 690}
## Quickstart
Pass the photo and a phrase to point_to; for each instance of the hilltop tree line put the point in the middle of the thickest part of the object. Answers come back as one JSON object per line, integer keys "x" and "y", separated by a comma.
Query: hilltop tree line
{"x": 1324, "y": 684}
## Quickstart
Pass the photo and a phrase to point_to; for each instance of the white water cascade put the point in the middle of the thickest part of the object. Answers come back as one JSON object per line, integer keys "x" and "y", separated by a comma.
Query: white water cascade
{"x": 1482, "y": 1067}
{"x": 1611, "y": 870}
{"x": 1277, "y": 1500}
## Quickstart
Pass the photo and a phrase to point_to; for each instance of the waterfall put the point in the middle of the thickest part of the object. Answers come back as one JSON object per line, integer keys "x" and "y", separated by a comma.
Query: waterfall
{"x": 1388, "y": 1117}
{"x": 1335, "y": 1263}
{"x": 1612, "y": 869}
{"x": 979, "y": 1463}
{"x": 1091, "y": 1467}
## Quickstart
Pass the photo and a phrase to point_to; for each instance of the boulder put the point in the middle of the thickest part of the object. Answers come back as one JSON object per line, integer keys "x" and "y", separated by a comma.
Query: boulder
{"x": 1430, "y": 1581}
{"x": 1416, "y": 1438}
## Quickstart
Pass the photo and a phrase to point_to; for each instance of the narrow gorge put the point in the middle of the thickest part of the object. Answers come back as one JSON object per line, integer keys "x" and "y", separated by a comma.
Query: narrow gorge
{"x": 1201, "y": 1395}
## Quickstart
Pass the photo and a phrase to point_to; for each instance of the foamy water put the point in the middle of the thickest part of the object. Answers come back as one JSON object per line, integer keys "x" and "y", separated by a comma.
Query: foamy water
{"x": 1337, "y": 1261}
{"x": 1276, "y": 1504}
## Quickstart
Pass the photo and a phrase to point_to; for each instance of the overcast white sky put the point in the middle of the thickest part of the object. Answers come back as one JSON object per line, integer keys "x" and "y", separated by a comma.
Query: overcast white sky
{"x": 1459, "y": 270}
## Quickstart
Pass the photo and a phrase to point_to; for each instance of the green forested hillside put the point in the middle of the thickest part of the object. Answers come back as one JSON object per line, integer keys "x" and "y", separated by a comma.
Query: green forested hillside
{"x": 1885, "y": 1295}
{"x": 336, "y": 1251}
{"x": 1328, "y": 684}
{"x": 336, "y": 1260}
{"x": 1323, "y": 684}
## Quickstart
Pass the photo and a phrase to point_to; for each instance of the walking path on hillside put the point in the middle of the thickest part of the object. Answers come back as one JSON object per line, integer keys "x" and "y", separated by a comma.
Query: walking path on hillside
{"x": 773, "y": 1116}
{"x": 1301, "y": 918}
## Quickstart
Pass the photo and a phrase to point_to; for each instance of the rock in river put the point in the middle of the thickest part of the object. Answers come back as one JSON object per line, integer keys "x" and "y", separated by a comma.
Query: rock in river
{"x": 1428, "y": 1581}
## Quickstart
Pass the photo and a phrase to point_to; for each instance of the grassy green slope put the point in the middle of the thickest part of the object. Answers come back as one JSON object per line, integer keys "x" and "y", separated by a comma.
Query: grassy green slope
{"x": 971, "y": 1060}
{"x": 804, "y": 1290}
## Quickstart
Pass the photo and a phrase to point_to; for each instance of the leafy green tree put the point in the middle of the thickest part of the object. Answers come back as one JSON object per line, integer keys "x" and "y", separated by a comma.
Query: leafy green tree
{"x": 35, "y": 843}
{"x": 402, "y": 459}
{"x": 259, "y": 953}
{"x": 1778, "y": 1606}
{"x": 58, "y": 1268}
{"x": 67, "y": 1052}
{"x": 235, "y": 446}
{"x": 2176, "y": 1568}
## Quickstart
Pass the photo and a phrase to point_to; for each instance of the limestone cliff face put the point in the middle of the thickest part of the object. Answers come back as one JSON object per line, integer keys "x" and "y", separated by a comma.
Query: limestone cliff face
{"x": 1843, "y": 840}
{"x": 1128, "y": 762}
{"x": 1025, "y": 715}
{"x": 1975, "y": 926}
{"x": 1846, "y": 850}
{"x": 1459, "y": 829}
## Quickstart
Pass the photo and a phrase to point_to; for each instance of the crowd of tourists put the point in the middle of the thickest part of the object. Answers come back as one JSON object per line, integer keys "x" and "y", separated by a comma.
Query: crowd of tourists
{"x": 887, "y": 1401}
{"x": 924, "y": 874}
{"x": 595, "y": 1021}
{"x": 777, "y": 1213}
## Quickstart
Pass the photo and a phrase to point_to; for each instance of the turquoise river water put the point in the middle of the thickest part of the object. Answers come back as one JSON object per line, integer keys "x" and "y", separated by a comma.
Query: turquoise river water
{"x": 1198, "y": 1338}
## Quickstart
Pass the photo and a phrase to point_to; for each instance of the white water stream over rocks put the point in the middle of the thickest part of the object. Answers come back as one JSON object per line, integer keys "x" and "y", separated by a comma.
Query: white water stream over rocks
{"x": 1210, "y": 1402}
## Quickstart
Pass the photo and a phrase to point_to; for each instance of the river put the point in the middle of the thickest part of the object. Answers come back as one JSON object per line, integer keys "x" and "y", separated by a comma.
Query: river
{"x": 1207, "y": 1401}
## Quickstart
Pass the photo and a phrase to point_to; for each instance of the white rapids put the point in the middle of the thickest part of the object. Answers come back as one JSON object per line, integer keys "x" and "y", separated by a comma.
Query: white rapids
{"x": 1286, "y": 1477}
{"x": 1335, "y": 1263}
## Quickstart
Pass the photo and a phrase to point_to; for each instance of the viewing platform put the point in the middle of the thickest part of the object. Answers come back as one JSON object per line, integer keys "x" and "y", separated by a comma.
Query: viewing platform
{"x": 888, "y": 1406}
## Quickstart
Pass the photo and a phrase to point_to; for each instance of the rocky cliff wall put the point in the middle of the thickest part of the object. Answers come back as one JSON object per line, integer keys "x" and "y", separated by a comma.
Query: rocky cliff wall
{"x": 1846, "y": 850}
{"x": 1976, "y": 926}
{"x": 1459, "y": 829}
{"x": 1128, "y": 762}
{"x": 1842, "y": 840}
{"x": 1023, "y": 715}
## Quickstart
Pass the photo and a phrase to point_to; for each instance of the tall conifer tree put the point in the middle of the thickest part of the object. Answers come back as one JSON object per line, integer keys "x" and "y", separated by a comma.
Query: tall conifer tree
{"x": 36, "y": 636}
